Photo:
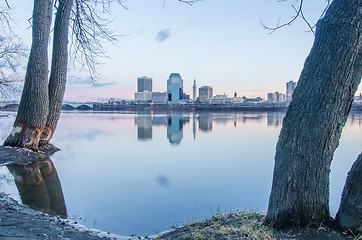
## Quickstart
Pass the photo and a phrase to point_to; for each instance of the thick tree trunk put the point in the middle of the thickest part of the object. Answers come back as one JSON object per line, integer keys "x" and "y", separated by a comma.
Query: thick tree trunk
{"x": 58, "y": 72}
{"x": 34, "y": 104}
{"x": 315, "y": 119}
{"x": 349, "y": 215}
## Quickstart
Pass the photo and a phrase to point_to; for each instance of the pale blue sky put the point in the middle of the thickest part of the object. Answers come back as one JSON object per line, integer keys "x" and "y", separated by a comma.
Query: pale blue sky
{"x": 220, "y": 43}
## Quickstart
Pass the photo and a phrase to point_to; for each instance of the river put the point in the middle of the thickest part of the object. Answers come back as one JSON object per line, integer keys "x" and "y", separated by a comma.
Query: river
{"x": 142, "y": 173}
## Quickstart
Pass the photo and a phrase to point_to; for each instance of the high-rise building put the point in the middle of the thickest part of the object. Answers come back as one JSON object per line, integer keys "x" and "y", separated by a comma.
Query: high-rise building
{"x": 144, "y": 84}
{"x": 276, "y": 97}
{"x": 194, "y": 89}
{"x": 290, "y": 89}
{"x": 205, "y": 92}
{"x": 175, "y": 87}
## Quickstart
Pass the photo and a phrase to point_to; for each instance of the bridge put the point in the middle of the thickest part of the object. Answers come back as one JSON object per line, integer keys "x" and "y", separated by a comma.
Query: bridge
{"x": 13, "y": 106}
{"x": 77, "y": 106}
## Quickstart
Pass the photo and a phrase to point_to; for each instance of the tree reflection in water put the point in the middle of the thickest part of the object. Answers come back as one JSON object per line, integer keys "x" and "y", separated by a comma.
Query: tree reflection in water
{"x": 39, "y": 186}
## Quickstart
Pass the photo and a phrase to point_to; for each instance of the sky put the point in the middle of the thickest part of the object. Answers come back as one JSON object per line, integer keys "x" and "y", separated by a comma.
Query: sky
{"x": 219, "y": 43}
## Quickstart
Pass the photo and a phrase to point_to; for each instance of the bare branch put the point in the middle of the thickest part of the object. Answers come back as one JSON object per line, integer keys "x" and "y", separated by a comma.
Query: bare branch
{"x": 90, "y": 32}
{"x": 298, "y": 14}
{"x": 12, "y": 53}
{"x": 7, "y": 4}
{"x": 189, "y": 2}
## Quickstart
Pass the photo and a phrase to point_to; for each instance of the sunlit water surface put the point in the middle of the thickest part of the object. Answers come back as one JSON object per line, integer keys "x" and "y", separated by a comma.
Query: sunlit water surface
{"x": 143, "y": 173}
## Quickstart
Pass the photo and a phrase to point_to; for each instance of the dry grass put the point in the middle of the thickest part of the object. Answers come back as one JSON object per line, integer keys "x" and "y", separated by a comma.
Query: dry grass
{"x": 244, "y": 225}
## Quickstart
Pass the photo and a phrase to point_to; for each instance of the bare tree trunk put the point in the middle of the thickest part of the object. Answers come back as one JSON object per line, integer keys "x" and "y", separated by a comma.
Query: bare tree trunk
{"x": 315, "y": 119}
{"x": 34, "y": 104}
{"x": 349, "y": 215}
{"x": 58, "y": 72}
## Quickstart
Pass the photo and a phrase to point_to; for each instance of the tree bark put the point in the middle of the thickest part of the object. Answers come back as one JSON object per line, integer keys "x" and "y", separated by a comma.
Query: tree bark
{"x": 58, "y": 72}
{"x": 34, "y": 104}
{"x": 349, "y": 215}
{"x": 315, "y": 119}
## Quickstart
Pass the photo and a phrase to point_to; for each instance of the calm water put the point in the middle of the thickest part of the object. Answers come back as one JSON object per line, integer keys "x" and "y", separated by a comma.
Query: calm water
{"x": 142, "y": 173}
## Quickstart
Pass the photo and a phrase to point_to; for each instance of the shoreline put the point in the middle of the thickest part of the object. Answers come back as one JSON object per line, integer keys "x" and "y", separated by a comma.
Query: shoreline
{"x": 20, "y": 222}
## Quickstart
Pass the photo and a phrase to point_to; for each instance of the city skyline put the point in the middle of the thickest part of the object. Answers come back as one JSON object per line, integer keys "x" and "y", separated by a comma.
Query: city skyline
{"x": 219, "y": 44}
{"x": 175, "y": 92}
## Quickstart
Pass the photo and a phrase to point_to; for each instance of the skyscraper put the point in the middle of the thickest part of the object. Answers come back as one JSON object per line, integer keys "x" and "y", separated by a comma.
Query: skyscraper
{"x": 194, "y": 88}
{"x": 174, "y": 87}
{"x": 205, "y": 92}
{"x": 144, "y": 84}
{"x": 290, "y": 89}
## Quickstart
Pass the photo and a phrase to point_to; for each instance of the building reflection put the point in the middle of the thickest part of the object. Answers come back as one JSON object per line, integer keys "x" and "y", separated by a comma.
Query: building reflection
{"x": 274, "y": 118}
{"x": 144, "y": 127}
{"x": 205, "y": 122}
{"x": 39, "y": 186}
{"x": 202, "y": 121}
{"x": 355, "y": 118}
{"x": 175, "y": 123}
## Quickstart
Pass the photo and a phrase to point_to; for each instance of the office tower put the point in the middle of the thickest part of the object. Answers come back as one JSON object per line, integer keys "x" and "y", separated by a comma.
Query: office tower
{"x": 194, "y": 91}
{"x": 290, "y": 89}
{"x": 144, "y": 84}
{"x": 174, "y": 87}
{"x": 205, "y": 92}
{"x": 276, "y": 97}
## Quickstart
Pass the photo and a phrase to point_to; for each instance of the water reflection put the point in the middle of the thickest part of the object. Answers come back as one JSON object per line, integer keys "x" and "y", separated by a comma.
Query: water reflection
{"x": 275, "y": 118}
{"x": 355, "y": 118}
{"x": 39, "y": 186}
{"x": 129, "y": 179}
{"x": 175, "y": 125}
{"x": 205, "y": 122}
{"x": 202, "y": 122}
{"x": 144, "y": 127}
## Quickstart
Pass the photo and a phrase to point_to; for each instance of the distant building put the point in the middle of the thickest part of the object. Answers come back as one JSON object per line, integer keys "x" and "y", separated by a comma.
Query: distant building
{"x": 252, "y": 100}
{"x": 159, "y": 97}
{"x": 290, "y": 89}
{"x": 219, "y": 99}
{"x": 194, "y": 89}
{"x": 143, "y": 96}
{"x": 276, "y": 97}
{"x": 144, "y": 84}
{"x": 185, "y": 96}
{"x": 205, "y": 92}
{"x": 174, "y": 87}
{"x": 144, "y": 89}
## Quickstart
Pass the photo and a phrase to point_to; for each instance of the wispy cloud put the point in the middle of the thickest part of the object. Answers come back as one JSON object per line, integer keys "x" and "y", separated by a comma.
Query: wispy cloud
{"x": 87, "y": 81}
{"x": 163, "y": 35}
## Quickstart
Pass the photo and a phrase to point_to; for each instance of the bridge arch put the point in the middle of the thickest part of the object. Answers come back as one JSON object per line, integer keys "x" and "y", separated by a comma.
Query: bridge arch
{"x": 83, "y": 107}
{"x": 67, "y": 107}
{"x": 11, "y": 107}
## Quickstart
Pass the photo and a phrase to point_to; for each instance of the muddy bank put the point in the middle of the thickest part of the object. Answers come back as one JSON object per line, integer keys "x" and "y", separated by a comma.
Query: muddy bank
{"x": 20, "y": 222}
